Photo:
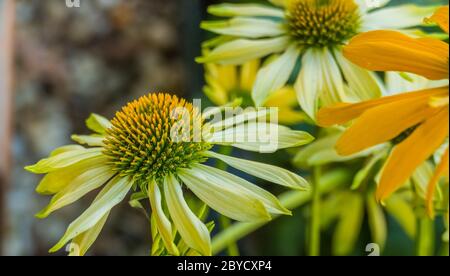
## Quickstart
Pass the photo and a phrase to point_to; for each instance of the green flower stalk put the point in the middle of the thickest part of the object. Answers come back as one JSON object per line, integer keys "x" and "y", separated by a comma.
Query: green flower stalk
{"x": 144, "y": 148}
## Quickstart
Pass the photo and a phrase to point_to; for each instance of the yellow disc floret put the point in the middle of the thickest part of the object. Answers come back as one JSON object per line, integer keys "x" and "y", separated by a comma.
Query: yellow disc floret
{"x": 322, "y": 23}
{"x": 141, "y": 141}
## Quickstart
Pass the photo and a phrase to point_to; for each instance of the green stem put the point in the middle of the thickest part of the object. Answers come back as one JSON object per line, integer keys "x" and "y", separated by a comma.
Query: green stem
{"x": 290, "y": 200}
{"x": 425, "y": 237}
{"x": 314, "y": 234}
{"x": 232, "y": 249}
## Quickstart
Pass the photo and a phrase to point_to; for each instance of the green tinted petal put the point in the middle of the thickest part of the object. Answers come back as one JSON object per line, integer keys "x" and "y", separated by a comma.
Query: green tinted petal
{"x": 77, "y": 188}
{"x": 267, "y": 172}
{"x": 162, "y": 222}
{"x": 63, "y": 160}
{"x": 110, "y": 196}
{"x": 191, "y": 229}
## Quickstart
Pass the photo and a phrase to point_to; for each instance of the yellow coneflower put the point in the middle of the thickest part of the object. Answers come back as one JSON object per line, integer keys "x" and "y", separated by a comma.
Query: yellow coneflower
{"x": 143, "y": 148}
{"x": 416, "y": 122}
{"x": 313, "y": 31}
{"x": 226, "y": 83}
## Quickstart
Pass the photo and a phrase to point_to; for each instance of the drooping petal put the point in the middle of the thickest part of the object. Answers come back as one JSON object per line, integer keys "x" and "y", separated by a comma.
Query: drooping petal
{"x": 162, "y": 222}
{"x": 309, "y": 83}
{"x": 230, "y": 10}
{"x": 55, "y": 181}
{"x": 110, "y": 196}
{"x": 274, "y": 76}
{"x": 440, "y": 17}
{"x": 392, "y": 51}
{"x": 441, "y": 169}
{"x": 98, "y": 123}
{"x": 342, "y": 113}
{"x": 63, "y": 160}
{"x": 243, "y": 50}
{"x": 264, "y": 171}
{"x": 383, "y": 123}
{"x": 245, "y": 27}
{"x": 231, "y": 195}
{"x": 77, "y": 188}
{"x": 191, "y": 229}
{"x": 81, "y": 243}
{"x": 397, "y": 17}
{"x": 412, "y": 152}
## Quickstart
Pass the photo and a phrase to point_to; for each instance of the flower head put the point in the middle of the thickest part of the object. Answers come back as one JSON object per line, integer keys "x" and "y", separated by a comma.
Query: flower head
{"x": 150, "y": 147}
{"x": 228, "y": 83}
{"x": 310, "y": 32}
{"x": 416, "y": 123}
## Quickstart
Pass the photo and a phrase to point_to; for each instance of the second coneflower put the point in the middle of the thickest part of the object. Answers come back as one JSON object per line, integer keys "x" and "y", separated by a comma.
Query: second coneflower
{"x": 146, "y": 148}
{"x": 416, "y": 123}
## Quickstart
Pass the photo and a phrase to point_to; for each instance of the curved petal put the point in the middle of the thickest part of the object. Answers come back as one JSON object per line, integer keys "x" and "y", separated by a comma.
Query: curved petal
{"x": 77, "y": 188}
{"x": 274, "y": 76}
{"x": 264, "y": 171}
{"x": 245, "y": 27}
{"x": 342, "y": 113}
{"x": 98, "y": 123}
{"x": 242, "y": 50}
{"x": 63, "y": 160}
{"x": 231, "y": 195}
{"x": 412, "y": 152}
{"x": 191, "y": 229}
{"x": 440, "y": 17}
{"x": 229, "y": 10}
{"x": 54, "y": 182}
{"x": 261, "y": 137}
{"x": 109, "y": 197}
{"x": 383, "y": 123}
{"x": 392, "y": 51}
{"x": 162, "y": 222}
{"x": 397, "y": 17}
{"x": 81, "y": 243}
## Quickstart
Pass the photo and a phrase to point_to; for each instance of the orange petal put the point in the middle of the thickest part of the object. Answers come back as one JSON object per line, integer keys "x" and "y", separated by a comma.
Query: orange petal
{"x": 412, "y": 152}
{"x": 442, "y": 169}
{"x": 440, "y": 17}
{"x": 394, "y": 51}
{"x": 384, "y": 123}
{"x": 342, "y": 113}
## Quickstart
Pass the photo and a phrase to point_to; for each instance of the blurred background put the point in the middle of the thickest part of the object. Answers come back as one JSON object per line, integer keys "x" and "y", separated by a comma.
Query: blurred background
{"x": 59, "y": 64}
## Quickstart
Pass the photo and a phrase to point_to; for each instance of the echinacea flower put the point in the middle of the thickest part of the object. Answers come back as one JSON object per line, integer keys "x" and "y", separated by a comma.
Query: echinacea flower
{"x": 226, "y": 83}
{"x": 310, "y": 31}
{"x": 415, "y": 122}
{"x": 145, "y": 149}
